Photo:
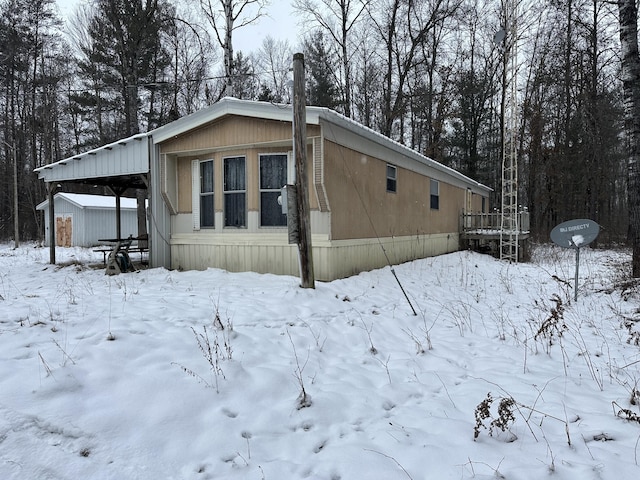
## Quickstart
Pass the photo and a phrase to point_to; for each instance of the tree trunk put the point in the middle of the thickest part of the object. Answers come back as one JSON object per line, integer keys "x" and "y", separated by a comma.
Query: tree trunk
{"x": 228, "y": 48}
{"x": 628, "y": 17}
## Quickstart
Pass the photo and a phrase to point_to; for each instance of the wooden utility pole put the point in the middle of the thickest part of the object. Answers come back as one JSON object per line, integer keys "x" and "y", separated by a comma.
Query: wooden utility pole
{"x": 300, "y": 154}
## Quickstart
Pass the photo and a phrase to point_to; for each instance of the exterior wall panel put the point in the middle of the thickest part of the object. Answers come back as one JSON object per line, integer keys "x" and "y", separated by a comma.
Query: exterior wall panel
{"x": 362, "y": 207}
{"x": 234, "y": 131}
{"x": 332, "y": 260}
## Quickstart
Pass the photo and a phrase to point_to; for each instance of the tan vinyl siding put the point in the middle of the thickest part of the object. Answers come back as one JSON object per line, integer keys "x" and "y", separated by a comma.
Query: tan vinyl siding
{"x": 184, "y": 184}
{"x": 234, "y": 131}
{"x": 357, "y": 180}
{"x": 270, "y": 253}
{"x": 252, "y": 165}
{"x": 233, "y": 136}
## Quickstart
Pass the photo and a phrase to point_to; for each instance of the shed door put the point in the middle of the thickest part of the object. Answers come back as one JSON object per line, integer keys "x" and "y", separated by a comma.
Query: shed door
{"x": 63, "y": 230}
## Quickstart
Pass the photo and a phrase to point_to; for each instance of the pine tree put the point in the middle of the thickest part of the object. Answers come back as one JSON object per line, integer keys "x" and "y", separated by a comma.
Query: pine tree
{"x": 322, "y": 90}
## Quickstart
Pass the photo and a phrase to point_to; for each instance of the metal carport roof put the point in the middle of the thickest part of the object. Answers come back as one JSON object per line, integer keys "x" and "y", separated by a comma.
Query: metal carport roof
{"x": 119, "y": 165}
{"x": 122, "y": 164}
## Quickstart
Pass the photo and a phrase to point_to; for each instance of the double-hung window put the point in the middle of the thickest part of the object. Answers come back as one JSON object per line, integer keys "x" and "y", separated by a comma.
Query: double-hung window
{"x": 392, "y": 178}
{"x": 207, "y": 212}
{"x": 235, "y": 192}
{"x": 435, "y": 194}
{"x": 273, "y": 176}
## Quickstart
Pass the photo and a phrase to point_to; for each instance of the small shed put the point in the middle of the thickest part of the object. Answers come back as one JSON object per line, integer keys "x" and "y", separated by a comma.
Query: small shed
{"x": 81, "y": 219}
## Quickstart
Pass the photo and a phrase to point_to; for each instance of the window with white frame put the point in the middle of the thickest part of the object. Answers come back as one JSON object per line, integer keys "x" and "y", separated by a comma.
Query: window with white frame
{"x": 392, "y": 178}
{"x": 273, "y": 176}
{"x": 235, "y": 192}
{"x": 435, "y": 194}
{"x": 207, "y": 212}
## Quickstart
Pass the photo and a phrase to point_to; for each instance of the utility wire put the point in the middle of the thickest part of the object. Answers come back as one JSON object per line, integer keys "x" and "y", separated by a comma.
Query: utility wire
{"x": 373, "y": 227}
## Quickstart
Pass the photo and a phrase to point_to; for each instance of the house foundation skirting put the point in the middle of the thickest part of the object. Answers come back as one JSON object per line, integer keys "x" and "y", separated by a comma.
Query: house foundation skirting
{"x": 332, "y": 259}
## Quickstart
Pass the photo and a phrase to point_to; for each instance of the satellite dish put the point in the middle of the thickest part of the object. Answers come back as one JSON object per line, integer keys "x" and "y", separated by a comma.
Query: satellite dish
{"x": 575, "y": 233}
{"x": 499, "y": 36}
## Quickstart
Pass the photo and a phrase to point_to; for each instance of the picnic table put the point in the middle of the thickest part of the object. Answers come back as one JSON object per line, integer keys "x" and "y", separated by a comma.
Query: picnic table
{"x": 122, "y": 246}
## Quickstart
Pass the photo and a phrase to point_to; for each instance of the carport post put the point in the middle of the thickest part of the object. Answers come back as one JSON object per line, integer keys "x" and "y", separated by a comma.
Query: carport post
{"x": 51, "y": 190}
{"x": 117, "y": 191}
{"x": 118, "y": 224}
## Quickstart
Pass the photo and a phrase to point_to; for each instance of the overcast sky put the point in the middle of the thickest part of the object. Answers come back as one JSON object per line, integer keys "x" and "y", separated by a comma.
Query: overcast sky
{"x": 280, "y": 24}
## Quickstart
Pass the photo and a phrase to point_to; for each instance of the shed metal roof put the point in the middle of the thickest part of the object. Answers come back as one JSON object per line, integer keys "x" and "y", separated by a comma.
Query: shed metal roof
{"x": 82, "y": 200}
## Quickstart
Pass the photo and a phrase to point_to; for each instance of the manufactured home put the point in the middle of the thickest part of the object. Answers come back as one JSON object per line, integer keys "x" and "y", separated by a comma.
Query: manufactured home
{"x": 215, "y": 180}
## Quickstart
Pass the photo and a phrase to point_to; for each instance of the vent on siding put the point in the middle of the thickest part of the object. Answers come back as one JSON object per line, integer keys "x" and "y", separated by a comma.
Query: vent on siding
{"x": 318, "y": 175}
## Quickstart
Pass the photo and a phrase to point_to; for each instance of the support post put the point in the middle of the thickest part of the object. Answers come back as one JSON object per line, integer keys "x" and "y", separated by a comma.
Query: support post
{"x": 300, "y": 153}
{"x": 117, "y": 191}
{"x": 118, "y": 223}
{"x": 51, "y": 190}
{"x": 575, "y": 295}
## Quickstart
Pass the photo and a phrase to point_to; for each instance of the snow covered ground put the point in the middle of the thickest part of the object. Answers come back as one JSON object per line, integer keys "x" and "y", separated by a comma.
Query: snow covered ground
{"x": 132, "y": 376}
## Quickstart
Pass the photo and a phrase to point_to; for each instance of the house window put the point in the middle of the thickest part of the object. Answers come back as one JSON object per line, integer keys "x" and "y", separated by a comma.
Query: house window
{"x": 435, "y": 194}
{"x": 273, "y": 176}
{"x": 392, "y": 175}
{"x": 235, "y": 192}
{"x": 207, "y": 212}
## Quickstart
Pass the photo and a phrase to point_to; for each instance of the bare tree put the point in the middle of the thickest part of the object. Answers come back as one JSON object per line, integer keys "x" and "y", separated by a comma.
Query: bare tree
{"x": 274, "y": 61}
{"x": 225, "y": 16}
{"x": 368, "y": 84}
{"x": 338, "y": 18}
{"x": 628, "y": 18}
{"x": 192, "y": 54}
{"x": 404, "y": 28}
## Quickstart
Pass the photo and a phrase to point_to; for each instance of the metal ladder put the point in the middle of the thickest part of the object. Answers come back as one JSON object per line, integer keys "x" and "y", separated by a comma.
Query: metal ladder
{"x": 509, "y": 227}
